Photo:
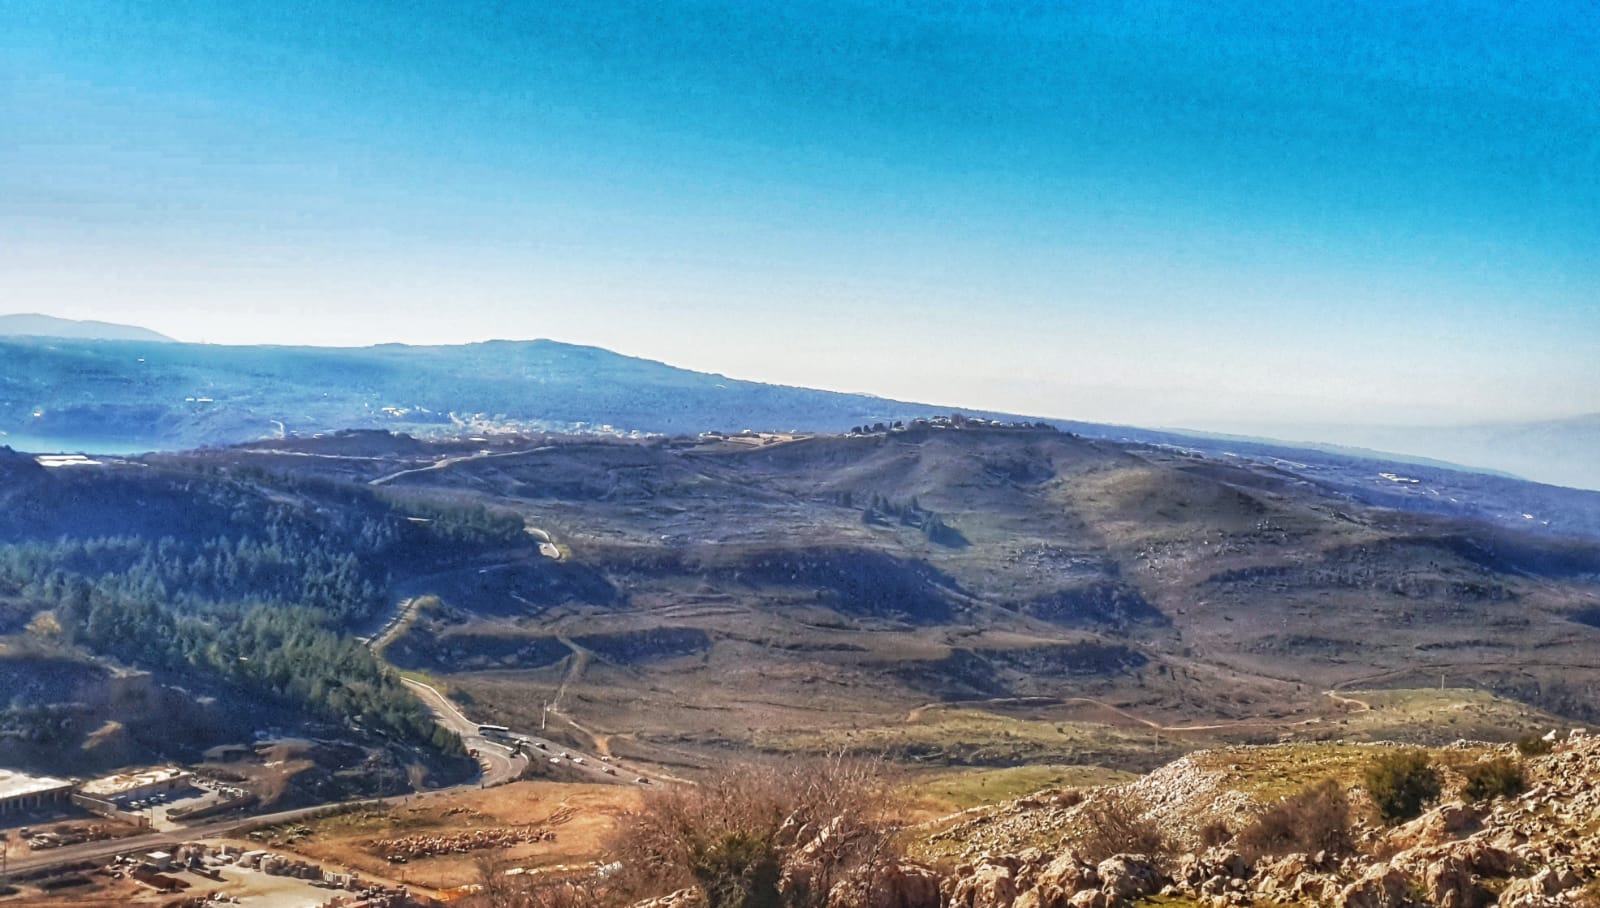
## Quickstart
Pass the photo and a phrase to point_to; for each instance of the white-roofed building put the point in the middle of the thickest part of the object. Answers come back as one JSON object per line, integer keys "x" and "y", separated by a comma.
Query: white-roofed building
{"x": 21, "y": 792}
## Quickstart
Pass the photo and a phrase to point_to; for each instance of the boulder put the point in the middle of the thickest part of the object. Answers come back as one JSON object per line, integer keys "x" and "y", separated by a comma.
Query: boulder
{"x": 1449, "y": 883}
{"x": 988, "y": 885}
{"x": 1128, "y": 876}
{"x": 1381, "y": 886}
{"x": 1444, "y": 823}
{"x": 1089, "y": 898}
{"x": 902, "y": 885}
{"x": 1227, "y": 863}
{"x": 1278, "y": 875}
{"x": 1449, "y": 873}
{"x": 1537, "y": 890}
{"x": 1063, "y": 878}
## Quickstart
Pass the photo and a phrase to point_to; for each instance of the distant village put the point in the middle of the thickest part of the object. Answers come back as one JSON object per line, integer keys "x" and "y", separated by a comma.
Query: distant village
{"x": 953, "y": 421}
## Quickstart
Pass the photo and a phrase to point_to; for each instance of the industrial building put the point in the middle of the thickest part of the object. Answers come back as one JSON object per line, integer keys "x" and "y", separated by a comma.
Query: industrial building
{"x": 20, "y": 792}
{"x": 134, "y": 786}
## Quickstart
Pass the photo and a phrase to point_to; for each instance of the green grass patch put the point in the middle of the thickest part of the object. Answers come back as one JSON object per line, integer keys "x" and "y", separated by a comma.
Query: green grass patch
{"x": 962, "y": 789}
{"x": 971, "y": 737}
{"x": 1426, "y": 716}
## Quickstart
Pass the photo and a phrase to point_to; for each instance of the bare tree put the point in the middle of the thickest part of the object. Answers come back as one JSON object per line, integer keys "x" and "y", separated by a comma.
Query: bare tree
{"x": 771, "y": 834}
{"x": 1114, "y": 823}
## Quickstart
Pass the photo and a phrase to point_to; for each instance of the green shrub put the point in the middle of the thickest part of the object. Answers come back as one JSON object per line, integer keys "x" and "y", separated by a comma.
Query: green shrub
{"x": 1499, "y": 777}
{"x": 1316, "y": 818}
{"x": 1402, "y": 784}
{"x": 739, "y": 870}
{"x": 1532, "y": 745}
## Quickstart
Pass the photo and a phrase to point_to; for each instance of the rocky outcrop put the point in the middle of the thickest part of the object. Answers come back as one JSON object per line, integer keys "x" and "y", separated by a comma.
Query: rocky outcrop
{"x": 1540, "y": 848}
{"x": 900, "y": 885}
{"x": 1444, "y": 823}
{"x": 1126, "y": 877}
{"x": 1379, "y": 886}
{"x": 1031, "y": 881}
{"x": 1063, "y": 878}
{"x": 1541, "y": 889}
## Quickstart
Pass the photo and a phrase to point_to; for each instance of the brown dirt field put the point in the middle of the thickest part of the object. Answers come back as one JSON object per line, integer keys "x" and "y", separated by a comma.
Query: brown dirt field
{"x": 581, "y": 816}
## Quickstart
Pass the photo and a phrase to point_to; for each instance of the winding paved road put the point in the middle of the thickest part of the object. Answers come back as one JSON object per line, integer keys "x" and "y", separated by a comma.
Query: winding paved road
{"x": 497, "y": 759}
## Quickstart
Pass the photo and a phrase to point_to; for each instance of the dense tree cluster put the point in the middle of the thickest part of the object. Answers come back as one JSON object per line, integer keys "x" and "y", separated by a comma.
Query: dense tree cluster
{"x": 260, "y": 586}
{"x": 468, "y": 524}
{"x": 882, "y": 511}
{"x": 287, "y": 653}
{"x": 194, "y": 575}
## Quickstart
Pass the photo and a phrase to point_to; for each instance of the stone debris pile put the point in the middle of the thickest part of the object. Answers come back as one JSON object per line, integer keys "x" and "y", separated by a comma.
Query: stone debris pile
{"x": 1178, "y": 797}
{"x": 422, "y": 846}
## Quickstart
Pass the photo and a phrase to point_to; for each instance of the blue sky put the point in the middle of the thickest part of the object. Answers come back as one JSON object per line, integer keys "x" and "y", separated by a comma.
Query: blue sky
{"x": 1224, "y": 215}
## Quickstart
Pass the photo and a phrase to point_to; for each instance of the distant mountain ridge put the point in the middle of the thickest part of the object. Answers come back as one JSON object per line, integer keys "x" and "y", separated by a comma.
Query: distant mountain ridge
{"x": 126, "y": 395}
{"x": 114, "y": 395}
{"x": 33, "y": 324}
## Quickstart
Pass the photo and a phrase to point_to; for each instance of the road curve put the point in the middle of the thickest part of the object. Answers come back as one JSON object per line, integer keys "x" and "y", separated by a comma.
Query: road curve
{"x": 528, "y": 747}
{"x": 499, "y": 765}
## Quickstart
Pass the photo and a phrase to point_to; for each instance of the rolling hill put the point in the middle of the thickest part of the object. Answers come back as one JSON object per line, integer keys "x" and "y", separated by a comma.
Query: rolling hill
{"x": 114, "y": 396}
{"x": 29, "y": 324}
{"x": 949, "y": 595}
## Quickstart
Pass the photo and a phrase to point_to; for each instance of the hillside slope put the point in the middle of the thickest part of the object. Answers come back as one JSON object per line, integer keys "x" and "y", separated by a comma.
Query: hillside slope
{"x": 964, "y": 597}
{"x": 978, "y": 596}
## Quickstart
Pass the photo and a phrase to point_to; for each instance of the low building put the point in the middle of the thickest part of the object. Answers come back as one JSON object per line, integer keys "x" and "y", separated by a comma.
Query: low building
{"x": 20, "y": 792}
{"x": 133, "y": 786}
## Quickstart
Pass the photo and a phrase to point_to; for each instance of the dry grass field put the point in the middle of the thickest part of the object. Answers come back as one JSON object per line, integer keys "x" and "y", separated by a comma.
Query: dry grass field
{"x": 579, "y": 817}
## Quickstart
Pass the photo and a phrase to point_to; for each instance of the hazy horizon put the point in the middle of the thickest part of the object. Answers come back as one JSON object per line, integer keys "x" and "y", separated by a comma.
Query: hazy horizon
{"x": 1314, "y": 433}
{"x": 1153, "y": 214}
